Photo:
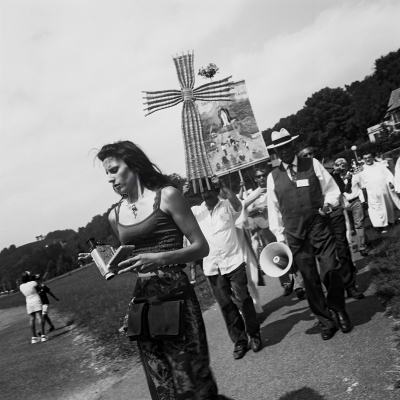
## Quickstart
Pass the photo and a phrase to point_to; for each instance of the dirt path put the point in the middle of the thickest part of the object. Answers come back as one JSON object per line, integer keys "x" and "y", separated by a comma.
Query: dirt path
{"x": 65, "y": 367}
{"x": 295, "y": 363}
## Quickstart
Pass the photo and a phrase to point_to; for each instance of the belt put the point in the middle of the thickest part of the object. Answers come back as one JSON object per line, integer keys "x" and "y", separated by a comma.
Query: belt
{"x": 353, "y": 200}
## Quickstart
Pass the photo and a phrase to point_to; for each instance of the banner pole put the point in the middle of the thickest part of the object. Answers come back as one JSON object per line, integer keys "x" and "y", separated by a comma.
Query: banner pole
{"x": 241, "y": 178}
{"x": 251, "y": 179}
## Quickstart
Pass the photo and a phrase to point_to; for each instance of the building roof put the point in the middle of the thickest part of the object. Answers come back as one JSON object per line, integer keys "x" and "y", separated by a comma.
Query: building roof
{"x": 394, "y": 100}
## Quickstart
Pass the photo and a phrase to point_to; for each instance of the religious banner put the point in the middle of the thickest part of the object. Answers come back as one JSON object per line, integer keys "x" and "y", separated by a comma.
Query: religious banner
{"x": 230, "y": 133}
{"x": 197, "y": 163}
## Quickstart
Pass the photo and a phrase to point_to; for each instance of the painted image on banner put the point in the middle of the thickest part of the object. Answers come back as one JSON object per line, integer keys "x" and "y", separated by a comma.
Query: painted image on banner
{"x": 230, "y": 132}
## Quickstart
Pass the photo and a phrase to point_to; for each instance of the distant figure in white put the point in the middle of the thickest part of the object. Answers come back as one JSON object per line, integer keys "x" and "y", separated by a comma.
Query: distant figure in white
{"x": 29, "y": 288}
{"x": 397, "y": 176}
{"x": 379, "y": 184}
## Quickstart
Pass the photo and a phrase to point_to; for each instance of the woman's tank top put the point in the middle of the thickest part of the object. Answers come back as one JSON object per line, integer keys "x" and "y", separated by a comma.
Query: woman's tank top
{"x": 156, "y": 233}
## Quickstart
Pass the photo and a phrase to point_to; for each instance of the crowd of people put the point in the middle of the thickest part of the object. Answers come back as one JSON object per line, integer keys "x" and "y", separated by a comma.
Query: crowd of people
{"x": 298, "y": 203}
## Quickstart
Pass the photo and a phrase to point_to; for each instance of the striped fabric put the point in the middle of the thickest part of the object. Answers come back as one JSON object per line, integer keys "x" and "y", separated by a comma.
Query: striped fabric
{"x": 197, "y": 163}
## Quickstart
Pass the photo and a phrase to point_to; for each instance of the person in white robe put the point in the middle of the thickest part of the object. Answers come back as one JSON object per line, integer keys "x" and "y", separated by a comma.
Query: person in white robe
{"x": 397, "y": 176}
{"x": 381, "y": 197}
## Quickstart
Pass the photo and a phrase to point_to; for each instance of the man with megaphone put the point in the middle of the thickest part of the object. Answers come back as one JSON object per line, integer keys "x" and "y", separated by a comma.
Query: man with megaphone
{"x": 300, "y": 195}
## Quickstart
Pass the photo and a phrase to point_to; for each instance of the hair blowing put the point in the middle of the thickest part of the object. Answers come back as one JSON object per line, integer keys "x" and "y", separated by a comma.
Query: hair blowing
{"x": 134, "y": 157}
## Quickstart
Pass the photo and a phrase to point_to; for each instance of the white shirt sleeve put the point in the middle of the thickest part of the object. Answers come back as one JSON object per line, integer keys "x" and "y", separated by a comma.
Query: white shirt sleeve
{"x": 355, "y": 189}
{"x": 195, "y": 210}
{"x": 274, "y": 213}
{"x": 330, "y": 190}
{"x": 230, "y": 210}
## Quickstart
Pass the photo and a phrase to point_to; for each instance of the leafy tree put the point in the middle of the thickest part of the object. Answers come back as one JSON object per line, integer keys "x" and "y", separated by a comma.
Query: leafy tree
{"x": 332, "y": 120}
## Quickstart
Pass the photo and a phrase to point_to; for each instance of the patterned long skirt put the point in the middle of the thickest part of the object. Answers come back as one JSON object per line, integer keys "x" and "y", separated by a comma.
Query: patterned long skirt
{"x": 177, "y": 370}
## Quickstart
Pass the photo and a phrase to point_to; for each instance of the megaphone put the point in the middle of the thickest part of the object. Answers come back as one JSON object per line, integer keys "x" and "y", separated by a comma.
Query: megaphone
{"x": 276, "y": 259}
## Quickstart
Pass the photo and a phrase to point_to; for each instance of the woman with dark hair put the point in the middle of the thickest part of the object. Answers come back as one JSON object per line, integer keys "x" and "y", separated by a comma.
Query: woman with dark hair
{"x": 154, "y": 216}
{"x": 33, "y": 305}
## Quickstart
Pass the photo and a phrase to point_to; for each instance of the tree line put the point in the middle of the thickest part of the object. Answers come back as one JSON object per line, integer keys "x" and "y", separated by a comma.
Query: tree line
{"x": 332, "y": 120}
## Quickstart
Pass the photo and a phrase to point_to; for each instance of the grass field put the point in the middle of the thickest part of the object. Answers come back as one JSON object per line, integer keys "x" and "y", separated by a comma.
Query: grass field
{"x": 99, "y": 306}
{"x": 385, "y": 267}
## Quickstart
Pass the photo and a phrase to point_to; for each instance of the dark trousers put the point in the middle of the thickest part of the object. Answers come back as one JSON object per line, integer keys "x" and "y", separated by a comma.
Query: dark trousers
{"x": 347, "y": 268}
{"x": 232, "y": 295}
{"x": 319, "y": 242}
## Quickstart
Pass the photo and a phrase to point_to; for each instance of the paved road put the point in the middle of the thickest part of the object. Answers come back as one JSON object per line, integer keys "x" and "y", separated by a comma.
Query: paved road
{"x": 296, "y": 363}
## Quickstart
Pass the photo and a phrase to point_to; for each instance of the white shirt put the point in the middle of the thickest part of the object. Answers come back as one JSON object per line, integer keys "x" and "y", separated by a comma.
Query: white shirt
{"x": 355, "y": 189}
{"x": 330, "y": 192}
{"x": 260, "y": 220}
{"x": 28, "y": 289}
{"x": 219, "y": 229}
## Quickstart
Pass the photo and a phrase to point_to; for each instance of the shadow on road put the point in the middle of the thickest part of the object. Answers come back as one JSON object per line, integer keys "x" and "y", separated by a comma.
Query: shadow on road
{"x": 277, "y": 330}
{"x": 276, "y": 304}
{"x": 360, "y": 311}
{"x": 304, "y": 393}
{"x": 61, "y": 330}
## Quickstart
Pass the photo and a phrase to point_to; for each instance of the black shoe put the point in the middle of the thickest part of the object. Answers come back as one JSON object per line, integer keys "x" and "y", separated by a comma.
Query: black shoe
{"x": 256, "y": 343}
{"x": 364, "y": 253}
{"x": 51, "y": 329}
{"x": 287, "y": 289}
{"x": 239, "y": 351}
{"x": 300, "y": 293}
{"x": 343, "y": 321}
{"x": 354, "y": 293}
{"x": 328, "y": 333}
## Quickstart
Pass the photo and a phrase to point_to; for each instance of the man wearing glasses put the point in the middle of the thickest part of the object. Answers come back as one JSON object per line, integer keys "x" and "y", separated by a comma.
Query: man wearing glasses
{"x": 258, "y": 213}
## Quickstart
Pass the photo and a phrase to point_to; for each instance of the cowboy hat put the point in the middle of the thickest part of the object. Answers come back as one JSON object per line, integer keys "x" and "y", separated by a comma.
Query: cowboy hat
{"x": 280, "y": 138}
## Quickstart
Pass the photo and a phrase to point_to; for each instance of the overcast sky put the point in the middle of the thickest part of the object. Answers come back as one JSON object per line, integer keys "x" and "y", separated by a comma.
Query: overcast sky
{"x": 72, "y": 75}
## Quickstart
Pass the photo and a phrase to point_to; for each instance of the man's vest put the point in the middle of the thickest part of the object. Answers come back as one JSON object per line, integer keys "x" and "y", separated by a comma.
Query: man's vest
{"x": 298, "y": 204}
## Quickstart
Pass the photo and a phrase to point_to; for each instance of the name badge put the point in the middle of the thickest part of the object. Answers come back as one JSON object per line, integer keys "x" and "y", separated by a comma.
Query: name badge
{"x": 302, "y": 183}
{"x": 225, "y": 217}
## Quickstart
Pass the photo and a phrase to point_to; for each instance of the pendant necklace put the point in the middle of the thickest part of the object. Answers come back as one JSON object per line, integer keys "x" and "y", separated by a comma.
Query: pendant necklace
{"x": 133, "y": 206}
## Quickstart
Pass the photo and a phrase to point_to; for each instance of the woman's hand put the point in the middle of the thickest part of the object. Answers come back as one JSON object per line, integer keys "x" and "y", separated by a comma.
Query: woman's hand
{"x": 147, "y": 262}
{"x": 85, "y": 257}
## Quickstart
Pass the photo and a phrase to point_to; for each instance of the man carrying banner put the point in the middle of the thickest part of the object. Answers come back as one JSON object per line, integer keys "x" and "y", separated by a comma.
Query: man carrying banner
{"x": 300, "y": 193}
{"x": 225, "y": 267}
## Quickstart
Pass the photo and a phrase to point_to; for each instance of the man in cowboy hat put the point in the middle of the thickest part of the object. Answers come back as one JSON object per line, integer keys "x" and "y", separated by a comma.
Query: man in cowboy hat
{"x": 300, "y": 195}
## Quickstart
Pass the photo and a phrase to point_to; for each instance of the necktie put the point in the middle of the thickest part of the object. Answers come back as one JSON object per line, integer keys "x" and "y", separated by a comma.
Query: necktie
{"x": 293, "y": 173}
